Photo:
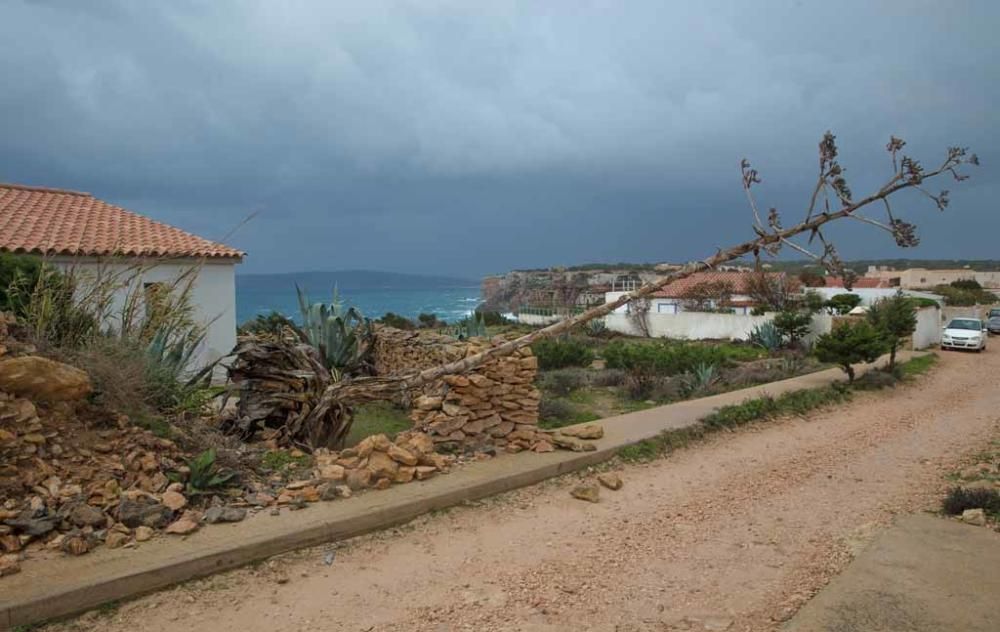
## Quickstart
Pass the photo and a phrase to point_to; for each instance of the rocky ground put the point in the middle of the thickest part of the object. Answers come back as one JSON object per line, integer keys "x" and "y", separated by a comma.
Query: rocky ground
{"x": 732, "y": 534}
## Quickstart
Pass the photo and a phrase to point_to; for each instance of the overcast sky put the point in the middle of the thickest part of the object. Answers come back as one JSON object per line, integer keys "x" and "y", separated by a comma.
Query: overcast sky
{"x": 464, "y": 138}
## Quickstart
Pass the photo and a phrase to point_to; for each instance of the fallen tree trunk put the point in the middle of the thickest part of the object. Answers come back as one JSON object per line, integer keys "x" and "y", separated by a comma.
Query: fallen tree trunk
{"x": 771, "y": 236}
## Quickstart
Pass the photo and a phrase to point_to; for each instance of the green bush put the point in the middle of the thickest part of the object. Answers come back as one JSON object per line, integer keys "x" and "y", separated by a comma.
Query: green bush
{"x": 493, "y": 318}
{"x": 608, "y": 377}
{"x": 843, "y": 303}
{"x": 851, "y": 343}
{"x": 896, "y": 318}
{"x": 272, "y": 323}
{"x": 665, "y": 357}
{"x": 793, "y": 325}
{"x": 17, "y": 273}
{"x": 430, "y": 321}
{"x": 555, "y": 412}
{"x": 558, "y": 354}
{"x": 765, "y": 407}
{"x": 562, "y": 382}
{"x": 959, "y": 499}
{"x": 391, "y": 319}
{"x": 965, "y": 297}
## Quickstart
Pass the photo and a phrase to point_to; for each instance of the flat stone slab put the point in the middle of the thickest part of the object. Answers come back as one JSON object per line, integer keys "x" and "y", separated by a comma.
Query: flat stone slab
{"x": 924, "y": 574}
{"x": 68, "y": 585}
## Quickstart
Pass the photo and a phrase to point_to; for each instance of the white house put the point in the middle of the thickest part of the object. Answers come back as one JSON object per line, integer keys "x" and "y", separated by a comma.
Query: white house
{"x": 76, "y": 230}
{"x": 728, "y": 290}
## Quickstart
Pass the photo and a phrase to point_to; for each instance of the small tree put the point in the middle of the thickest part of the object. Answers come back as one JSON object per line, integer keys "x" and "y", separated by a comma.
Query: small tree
{"x": 849, "y": 344}
{"x": 793, "y": 325}
{"x": 895, "y": 318}
{"x": 843, "y": 303}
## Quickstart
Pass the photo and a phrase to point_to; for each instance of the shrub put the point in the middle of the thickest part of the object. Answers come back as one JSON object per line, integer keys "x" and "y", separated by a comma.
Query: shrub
{"x": 965, "y": 296}
{"x": 960, "y": 499}
{"x": 793, "y": 325}
{"x": 663, "y": 357}
{"x": 608, "y": 377}
{"x": 557, "y": 354}
{"x": 876, "y": 381}
{"x": 17, "y": 272}
{"x": 273, "y": 324}
{"x": 492, "y": 318}
{"x": 843, "y": 303}
{"x": 430, "y": 321}
{"x": 896, "y": 319}
{"x": 849, "y": 344}
{"x": 554, "y": 412}
{"x": 562, "y": 382}
{"x": 765, "y": 407}
{"x": 966, "y": 284}
{"x": 391, "y": 319}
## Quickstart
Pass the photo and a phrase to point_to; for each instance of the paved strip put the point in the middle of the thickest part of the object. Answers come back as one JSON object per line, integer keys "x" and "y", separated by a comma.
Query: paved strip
{"x": 69, "y": 585}
{"x": 924, "y": 574}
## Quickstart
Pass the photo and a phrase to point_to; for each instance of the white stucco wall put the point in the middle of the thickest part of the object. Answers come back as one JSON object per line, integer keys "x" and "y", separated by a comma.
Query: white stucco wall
{"x": 537, "y": 319}
{"x": 690, "y": 325}
{"x": 213, "y": 294}
{"x": 928, "y": 331}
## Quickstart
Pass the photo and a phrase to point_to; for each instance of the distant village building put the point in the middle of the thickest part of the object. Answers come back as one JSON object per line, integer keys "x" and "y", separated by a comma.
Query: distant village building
{"x": 76, "y": 230}
{"x": 919, "y": 278}
{"x": 702, "y": 291}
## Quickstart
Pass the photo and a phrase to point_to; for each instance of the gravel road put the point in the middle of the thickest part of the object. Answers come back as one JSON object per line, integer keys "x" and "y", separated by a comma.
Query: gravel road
{"x": 733, "y": 534}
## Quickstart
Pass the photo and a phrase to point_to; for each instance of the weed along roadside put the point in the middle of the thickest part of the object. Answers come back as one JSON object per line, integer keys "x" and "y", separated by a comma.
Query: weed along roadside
{"x": 767, "y": 407}
{"x": 62, "y": 586}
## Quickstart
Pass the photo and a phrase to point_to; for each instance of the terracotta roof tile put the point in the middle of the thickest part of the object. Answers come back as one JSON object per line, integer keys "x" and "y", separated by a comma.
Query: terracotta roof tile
{"x": 57, "y": 222}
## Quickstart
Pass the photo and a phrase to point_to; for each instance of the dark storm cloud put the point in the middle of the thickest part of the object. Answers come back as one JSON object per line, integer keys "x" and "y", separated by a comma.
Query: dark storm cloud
{"x": 465, "y": 137}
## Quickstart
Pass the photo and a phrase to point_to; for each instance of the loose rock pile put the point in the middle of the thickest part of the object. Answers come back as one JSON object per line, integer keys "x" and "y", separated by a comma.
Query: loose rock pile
{"x": 376, "y": 463}
{"x": 494, "y": 405}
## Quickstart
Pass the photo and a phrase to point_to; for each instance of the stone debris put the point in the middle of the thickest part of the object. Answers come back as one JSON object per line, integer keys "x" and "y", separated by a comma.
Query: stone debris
{"x": 185, "y": 525}
{"x": 588, "y": 431}
{"x": 974, "y": 516}
{"x": 9, "y": 565}
{"x": 41, "y": 379}
{"x": 611, "y": 480}
{"x": 588, "y": 491}
{"x": 224, "y": 514}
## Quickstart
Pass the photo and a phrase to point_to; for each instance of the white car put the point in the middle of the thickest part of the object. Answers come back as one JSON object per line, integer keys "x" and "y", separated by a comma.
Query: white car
{"x": 964, "y": 333}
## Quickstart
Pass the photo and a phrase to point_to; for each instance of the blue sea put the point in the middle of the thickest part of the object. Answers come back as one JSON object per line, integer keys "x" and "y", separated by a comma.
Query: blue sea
{"x": 259, "y": 295}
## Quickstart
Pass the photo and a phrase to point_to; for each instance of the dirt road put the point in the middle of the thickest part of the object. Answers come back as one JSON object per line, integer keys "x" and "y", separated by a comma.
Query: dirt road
{"x": 733, "y": 534}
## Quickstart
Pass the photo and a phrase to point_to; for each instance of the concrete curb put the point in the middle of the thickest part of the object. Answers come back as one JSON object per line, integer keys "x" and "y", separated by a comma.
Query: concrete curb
{"x": 65, "y": 586}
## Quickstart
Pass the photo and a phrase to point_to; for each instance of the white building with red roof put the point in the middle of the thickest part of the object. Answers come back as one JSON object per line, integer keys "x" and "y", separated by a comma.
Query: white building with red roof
{"x": 76, "y": 230}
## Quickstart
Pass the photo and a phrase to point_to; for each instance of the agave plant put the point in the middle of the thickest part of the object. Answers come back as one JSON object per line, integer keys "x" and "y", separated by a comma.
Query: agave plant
{"x": 470, "y": 327}
{"x": 702, "y": 377}
{"x": 767, "y": 336}
{"x": 342, "y": 335}
{"x": 205, "y": 475}
{"x": 596, "y": 327}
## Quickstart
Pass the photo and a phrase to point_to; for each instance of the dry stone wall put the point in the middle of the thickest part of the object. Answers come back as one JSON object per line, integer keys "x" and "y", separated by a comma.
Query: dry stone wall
{"x": 493, "y": 405}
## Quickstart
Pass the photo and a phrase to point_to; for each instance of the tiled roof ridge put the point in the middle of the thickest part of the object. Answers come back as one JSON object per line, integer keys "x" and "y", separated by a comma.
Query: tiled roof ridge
{"x": 28, "y": 187}
{"x": 57, "y": 221}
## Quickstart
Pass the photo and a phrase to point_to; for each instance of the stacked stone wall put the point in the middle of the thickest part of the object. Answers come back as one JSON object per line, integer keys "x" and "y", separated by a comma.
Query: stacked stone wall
{"x": 493, "y": 405}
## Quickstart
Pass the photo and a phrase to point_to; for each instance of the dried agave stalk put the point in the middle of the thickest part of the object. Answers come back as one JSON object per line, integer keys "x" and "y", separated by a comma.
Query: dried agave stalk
{"x": 832, "y": 200}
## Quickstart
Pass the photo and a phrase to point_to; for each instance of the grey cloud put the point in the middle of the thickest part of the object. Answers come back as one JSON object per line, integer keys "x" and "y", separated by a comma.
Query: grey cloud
{"x": 443, "y": 134}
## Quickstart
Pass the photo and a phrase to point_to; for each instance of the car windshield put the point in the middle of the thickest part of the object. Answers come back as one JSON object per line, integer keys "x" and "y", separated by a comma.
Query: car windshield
{"x": 965, "y": 324}
{"x": 994, "y": 313}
